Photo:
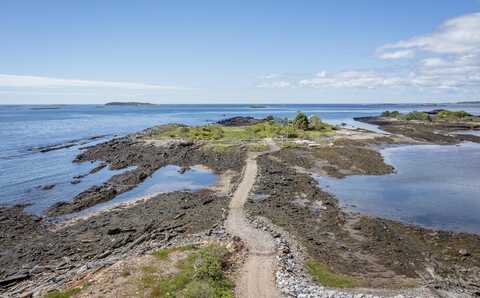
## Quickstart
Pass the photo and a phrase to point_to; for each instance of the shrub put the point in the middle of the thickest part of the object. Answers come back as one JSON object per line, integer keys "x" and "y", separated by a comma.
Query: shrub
{"x": 301, "y": 121}
{"x": 316, "y": 123}
{"x": 391, "y": 114}
{"x": 415, "y": 115}
{"x": 452, "y": 115}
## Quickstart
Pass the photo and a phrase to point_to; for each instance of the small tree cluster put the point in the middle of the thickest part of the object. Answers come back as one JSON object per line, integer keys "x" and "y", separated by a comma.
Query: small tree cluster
{"x": 301, "y": 121}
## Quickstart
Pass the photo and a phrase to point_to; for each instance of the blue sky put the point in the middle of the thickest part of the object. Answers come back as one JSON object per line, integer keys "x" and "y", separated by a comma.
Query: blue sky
{"x": 239, "y": 51}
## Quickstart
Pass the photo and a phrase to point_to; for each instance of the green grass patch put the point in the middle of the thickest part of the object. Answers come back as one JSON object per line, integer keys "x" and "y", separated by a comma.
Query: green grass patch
{"x": 443, "y": 115}
{"x": 201, "y": 274}
{"x": 257, "y": 147}
{"x": 163, "y": 253}
{"x": 291, "y": 145}
{"x": 259, "y": 131}
{"x": 323, "y": 275}
{"x": 415, "y": 115}
{"x": 452, "y": 115}
{"x": 219, "y": 147}
{"x": 66, "y": 293}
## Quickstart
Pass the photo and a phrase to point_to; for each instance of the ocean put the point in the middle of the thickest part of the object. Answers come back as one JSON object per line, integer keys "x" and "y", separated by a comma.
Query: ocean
{"x": 26, "y": 129}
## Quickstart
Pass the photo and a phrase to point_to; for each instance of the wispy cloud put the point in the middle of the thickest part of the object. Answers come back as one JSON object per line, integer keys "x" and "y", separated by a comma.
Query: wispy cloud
{"x": 21, "y": 81}
{"x": 460, "y": 35}
{"x": 446, "y": 59}
{"x": 274, "y": 84}
{"x": 396, "y": 55}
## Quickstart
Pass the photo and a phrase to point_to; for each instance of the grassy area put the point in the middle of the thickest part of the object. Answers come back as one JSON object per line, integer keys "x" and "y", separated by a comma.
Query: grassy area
{"x": 201, "y": 274}
{"x": 162, "y": 254}
{"x": 219, "y": 147}
{"x": 259, "y": 131}
{"x": 324, "y": 276}
{"x": 444, "y": 115}
{"x": 257, "y": 147}
{"x": 67, "y": 293}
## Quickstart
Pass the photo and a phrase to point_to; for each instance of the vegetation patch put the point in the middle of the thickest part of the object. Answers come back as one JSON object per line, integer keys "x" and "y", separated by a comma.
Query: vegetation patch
{"x": 453, "y": 115}
{"x": 324, "y": 276}
{"x": 66, "y": 293}
{"x": 257, "y": 147}
{"x": 300, "y": 127}
{"x": 201, "y": 274}
{"x": 162, "y": 254}
{"x": 438, "y": 115}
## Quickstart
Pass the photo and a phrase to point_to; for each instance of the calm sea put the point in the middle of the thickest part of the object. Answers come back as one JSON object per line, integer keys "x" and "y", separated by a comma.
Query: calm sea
{"x": 23, "y": 129}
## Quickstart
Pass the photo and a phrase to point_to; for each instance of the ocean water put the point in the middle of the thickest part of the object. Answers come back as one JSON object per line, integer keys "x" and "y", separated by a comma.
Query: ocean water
{"x": 433, "y": 186}
{"x": 23, "y": 129}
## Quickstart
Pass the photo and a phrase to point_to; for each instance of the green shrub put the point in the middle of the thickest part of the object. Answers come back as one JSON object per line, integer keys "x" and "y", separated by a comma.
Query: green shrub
{"x": 391, "y": 114}
{"x": 415, "y": 115}
{"x": 301, "y": 121}
{"x": 452, "y": 115}
{"x": 200, "y": 275}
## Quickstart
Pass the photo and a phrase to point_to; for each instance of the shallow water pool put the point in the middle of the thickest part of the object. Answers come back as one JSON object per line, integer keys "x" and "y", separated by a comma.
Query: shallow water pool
{"x": 433, "y": 186}
{"x": 165, "y": 179}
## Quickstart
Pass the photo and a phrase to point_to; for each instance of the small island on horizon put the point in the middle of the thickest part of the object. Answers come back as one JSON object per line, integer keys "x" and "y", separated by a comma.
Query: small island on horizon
{"x": 129, "y": 103}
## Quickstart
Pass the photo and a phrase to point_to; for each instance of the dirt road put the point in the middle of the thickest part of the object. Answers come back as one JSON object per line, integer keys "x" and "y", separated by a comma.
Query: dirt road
{"x": 257, "y": 275}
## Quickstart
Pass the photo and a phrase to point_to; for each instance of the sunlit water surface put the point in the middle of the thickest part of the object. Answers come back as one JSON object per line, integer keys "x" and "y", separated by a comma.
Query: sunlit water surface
{"x": 433, "y": 186}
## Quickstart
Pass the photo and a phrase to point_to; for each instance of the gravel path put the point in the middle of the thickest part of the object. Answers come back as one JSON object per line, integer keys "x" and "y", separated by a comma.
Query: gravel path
{"x": 257, "y": 275}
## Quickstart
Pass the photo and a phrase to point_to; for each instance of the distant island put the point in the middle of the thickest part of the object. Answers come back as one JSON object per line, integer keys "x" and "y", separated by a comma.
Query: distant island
{"x": 477, "y": 102}
{"x": 129, "y": 103}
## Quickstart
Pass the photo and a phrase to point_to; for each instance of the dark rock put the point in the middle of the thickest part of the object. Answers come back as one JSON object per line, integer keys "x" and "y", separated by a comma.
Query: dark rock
{"x": 14, "y": 279}
{"x": 48, "y": 186}
{"x": 239, "y": 121}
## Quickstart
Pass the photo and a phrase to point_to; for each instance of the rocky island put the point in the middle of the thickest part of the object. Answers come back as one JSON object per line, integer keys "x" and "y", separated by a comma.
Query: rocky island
{"x": 265, "y": 222}
{"x": 129, "y": 103}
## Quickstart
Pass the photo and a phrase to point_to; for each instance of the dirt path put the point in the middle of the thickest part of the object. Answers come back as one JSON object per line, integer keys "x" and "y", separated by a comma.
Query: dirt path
{"x": 257, "y": 275}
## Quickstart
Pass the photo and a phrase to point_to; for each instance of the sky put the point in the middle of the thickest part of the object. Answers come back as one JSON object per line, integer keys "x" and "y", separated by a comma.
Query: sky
{"x": 279, "y": 51}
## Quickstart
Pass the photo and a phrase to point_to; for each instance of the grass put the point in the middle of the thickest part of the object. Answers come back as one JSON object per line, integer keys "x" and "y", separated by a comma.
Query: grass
{"x": 324, "y": 276}
{"x": 67, "y": 293}
{"x": 162, "y": 254}
{"x": 257, "y": 147}
{"x": 259, "y": 131}
{"x": 219, "y": 147}
{"x": 199, "y": 275}
{"x": 444, "y": 115}
{"x": 452, "y": 115}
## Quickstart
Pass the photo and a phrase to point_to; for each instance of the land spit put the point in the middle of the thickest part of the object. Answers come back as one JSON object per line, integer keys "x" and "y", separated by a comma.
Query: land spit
{"x": 357, "y": 250}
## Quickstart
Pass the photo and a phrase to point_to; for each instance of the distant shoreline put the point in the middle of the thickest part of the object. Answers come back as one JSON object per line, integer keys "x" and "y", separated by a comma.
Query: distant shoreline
{"x": 129, "y": 103}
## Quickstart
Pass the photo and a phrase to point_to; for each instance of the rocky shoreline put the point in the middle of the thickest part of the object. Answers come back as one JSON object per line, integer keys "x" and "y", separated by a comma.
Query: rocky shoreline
{"x": 382, "y": 257}
{"x": 375, "y": 252}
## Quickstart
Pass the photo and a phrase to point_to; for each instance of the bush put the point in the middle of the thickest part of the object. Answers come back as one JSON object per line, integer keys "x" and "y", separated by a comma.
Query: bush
{"x": 452, "y": 115}
{"x": 415, "y": 115}
{"x": 201, "y": 274}
{"x": 391, "y": 114}
{"x": 301, "y": 121}
{"x": 316, "y": 123}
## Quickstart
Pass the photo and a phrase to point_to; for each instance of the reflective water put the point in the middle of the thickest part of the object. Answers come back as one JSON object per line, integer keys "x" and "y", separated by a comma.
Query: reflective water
{"x": 23, "y": 170}
{"x": 166, "y": 179}
{"x": 434, "y": 186}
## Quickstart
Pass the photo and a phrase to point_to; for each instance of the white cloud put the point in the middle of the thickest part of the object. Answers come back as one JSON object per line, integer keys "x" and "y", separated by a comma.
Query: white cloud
{"x": 402, "y": 54}
{"x": 450, "y": 61}
{"x": 274, "y": 84}
{"x": 20, "y": 81}
{"x": 270, "y": 76}
{"x": 459, "y": 35}
{"x": 353, "y": 79}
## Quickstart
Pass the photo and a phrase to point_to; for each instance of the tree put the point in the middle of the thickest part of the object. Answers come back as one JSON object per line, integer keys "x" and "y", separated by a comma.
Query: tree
{"x": 300, "y": 121}
{"x": 316, "y": 123}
